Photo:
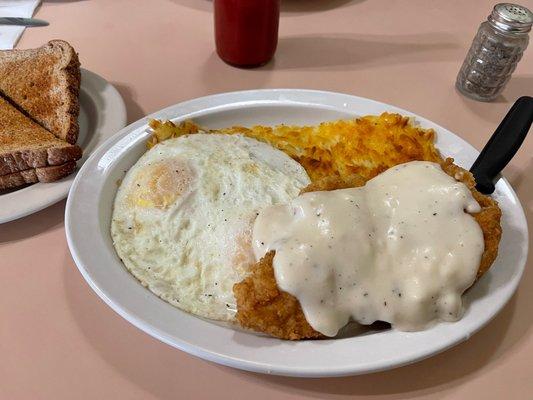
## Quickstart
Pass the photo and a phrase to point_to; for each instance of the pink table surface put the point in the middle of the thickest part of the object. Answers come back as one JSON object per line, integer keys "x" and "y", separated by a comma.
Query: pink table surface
{"x": 59, "y": 341}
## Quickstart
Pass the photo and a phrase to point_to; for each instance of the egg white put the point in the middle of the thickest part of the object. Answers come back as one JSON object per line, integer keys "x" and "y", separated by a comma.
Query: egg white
{"x": 183, "y": 216}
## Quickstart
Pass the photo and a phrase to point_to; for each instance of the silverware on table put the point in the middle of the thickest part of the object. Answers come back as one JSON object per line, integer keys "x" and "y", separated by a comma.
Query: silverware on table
{"x": 503, "y": 144}
{"x": 29, "y": 22}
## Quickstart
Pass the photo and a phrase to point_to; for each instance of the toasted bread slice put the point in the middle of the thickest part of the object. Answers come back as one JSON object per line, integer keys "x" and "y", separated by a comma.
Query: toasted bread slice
{"x": 33, "y": 175}
{"x": 25, "y": 145}
{"x": 44, "y": 83}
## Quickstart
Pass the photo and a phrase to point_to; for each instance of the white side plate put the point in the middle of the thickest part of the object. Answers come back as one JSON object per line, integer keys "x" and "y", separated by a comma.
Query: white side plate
{"x": 87, "y": 224}
{"x": 102, "y": 114}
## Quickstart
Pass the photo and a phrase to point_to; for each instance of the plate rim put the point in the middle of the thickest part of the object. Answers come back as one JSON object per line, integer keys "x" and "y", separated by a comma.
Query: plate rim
{"x": 240, "y": 363}
{"x": 118, "y": 119}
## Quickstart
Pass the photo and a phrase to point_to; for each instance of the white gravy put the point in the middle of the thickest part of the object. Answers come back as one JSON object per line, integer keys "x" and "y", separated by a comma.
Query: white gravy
{"x": 401, "y": 249}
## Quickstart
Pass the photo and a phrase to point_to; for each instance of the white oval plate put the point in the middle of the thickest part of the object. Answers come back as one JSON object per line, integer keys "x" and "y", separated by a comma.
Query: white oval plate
{"x": 88, "y": 215}
{"x": 102, "y": 113}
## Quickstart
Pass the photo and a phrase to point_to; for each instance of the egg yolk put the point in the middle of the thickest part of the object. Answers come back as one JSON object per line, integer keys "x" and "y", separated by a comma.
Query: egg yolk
{"x": 159, "y": 184}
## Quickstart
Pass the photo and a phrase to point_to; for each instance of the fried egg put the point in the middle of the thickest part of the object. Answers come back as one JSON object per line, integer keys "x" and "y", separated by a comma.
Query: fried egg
{"x": 183, "y": 216}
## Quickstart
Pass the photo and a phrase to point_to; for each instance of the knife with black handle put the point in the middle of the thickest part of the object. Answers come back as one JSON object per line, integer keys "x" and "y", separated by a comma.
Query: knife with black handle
{"x": 503, "y": 144}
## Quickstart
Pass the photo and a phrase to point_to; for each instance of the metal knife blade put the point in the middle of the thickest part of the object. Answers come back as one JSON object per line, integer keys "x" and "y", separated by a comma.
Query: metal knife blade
{"x": 22, "y": 21}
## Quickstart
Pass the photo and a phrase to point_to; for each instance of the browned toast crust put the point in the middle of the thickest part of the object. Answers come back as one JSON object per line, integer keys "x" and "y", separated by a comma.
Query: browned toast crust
{"x": 37, "y": 158}
{"x": 25, "y": 144}
{"x": 44, "y": 83}
{"x": 33, "y": 175}
{"x": 73, "y": 82}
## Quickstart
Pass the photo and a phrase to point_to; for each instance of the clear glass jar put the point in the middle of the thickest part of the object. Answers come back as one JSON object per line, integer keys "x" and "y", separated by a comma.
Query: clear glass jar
{"x": 495, "y": 52}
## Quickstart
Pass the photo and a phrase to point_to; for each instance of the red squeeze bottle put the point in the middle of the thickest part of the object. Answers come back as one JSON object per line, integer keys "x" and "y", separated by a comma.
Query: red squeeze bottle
{"x": 246, "y": 31}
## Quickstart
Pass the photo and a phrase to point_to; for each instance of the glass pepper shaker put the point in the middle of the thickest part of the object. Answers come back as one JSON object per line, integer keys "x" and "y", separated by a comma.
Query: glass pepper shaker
{"x": 495, "y": 51}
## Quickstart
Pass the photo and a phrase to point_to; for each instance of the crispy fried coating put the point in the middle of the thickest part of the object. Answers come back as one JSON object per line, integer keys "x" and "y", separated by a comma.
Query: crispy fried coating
{"x": 488, "y": 219}
{"x": 263, "y": 307}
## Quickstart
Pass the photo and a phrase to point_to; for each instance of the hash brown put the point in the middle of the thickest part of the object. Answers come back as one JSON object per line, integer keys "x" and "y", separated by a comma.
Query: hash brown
{"x": 365, "y": 146}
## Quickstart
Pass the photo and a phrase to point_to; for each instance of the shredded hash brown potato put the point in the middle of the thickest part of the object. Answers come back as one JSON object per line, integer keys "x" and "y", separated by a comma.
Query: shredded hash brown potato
{"x": 263, "y": 307}
{"x": 365, "y": 146}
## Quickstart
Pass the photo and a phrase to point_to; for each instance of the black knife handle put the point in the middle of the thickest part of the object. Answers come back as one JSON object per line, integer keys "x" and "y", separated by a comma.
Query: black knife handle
{"x": 503, "y": 144}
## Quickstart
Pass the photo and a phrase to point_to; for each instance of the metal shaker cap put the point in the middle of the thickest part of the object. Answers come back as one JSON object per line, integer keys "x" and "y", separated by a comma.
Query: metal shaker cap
{"x": 511, "y": 18}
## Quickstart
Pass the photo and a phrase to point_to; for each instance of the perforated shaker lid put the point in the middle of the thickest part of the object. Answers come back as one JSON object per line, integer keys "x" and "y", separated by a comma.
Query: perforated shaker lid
{"x": 511, "y": 18}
